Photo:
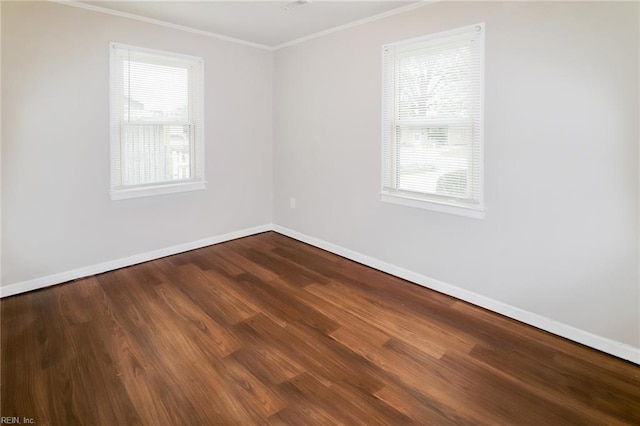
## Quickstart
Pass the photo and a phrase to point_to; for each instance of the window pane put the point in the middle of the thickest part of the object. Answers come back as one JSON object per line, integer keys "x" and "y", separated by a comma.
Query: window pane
{"x": 155, "y": 153}
{"x": 155, "y": 92}
{"x": 436, "y": 84}
{"x": 434, "y": 160}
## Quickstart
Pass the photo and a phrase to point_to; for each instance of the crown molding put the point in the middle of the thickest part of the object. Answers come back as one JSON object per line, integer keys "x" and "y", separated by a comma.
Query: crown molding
{"x": 379, "y": 16}
{"x": 166, "y": 24}
{"x": 160, "y": 23}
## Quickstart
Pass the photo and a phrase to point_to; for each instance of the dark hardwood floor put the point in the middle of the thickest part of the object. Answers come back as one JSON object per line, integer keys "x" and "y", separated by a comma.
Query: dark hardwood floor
{"x": 267, "y": 330}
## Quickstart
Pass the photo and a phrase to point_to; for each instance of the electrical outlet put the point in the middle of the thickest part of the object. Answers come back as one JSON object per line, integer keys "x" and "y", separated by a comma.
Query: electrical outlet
{"x": 292, "y": 203}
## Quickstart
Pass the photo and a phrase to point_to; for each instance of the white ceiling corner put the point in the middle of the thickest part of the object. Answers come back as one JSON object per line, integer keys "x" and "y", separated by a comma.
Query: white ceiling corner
{"x": 259, "y": 23}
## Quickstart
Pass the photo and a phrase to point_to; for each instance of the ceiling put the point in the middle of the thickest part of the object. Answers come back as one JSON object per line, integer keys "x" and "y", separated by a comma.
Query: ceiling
{"x": 261, "y": 22}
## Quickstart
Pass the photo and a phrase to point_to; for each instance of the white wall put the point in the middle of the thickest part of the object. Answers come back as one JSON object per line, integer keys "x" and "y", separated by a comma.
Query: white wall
{"x": 560, "y": 238}
{"x": 56, "y": 210}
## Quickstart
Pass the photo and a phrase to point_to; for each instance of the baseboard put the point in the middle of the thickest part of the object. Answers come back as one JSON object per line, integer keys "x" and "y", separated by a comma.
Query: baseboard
{"x": 49, "y": 280}
{"x": 600, "y": 343}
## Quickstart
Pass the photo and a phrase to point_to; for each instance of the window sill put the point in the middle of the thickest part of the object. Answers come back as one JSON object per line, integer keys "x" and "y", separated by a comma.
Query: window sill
{"x": 149, "y": 191}
{"x": 476, "y": 212}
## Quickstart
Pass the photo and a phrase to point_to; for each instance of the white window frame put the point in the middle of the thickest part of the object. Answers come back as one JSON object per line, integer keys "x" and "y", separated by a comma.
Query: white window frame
{"x": 415, "y": 199}
{"x": 119, "y": 190}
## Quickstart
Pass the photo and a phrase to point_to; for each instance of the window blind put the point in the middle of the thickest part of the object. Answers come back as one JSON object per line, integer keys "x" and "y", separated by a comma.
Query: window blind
{"x": 156, "y": 117}
{"x": 432, "y": 117}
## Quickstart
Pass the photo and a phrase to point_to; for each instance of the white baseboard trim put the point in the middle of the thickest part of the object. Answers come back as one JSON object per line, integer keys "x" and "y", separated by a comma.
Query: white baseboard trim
{"x": 600, "y": 343}
{"x": 49, "y": 280}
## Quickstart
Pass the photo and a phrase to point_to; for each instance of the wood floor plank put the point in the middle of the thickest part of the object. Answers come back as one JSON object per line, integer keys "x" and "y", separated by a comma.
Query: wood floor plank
{"x": 491, "y": 385}
{"x": 422, "y": 409}
{"x": 255, "y": 392}
{"x": 320, "y": 356}
{"x": 21, "y": 375}
{"x": 268, "y": 330}
{"x": 215, "y": 294}
{"x": 358, "y": 407}
{"x": 411, "y": 328}
{"x": 441, "y": 385}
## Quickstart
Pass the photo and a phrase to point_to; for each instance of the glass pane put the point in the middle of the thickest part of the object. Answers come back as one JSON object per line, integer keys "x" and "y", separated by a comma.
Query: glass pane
{"x": 155, "y": 153}
{"x": 435, "y": 84}
{"x": 155, "y": 92}
{"x": 434, "y": 160}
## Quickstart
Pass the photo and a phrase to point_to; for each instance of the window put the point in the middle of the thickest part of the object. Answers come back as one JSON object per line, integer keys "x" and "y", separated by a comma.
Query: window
{"x": 156, "y": 122}
{"x": 432, "y": 122}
